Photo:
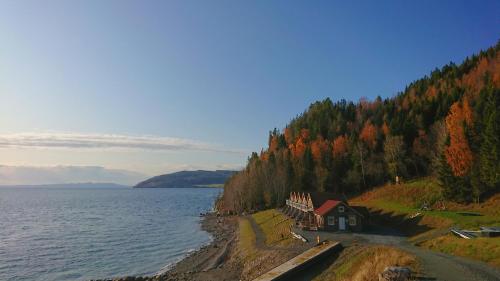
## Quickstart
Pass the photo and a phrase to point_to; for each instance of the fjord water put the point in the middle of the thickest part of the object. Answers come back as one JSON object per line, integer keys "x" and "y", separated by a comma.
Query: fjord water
{"x": 89, "y": 233}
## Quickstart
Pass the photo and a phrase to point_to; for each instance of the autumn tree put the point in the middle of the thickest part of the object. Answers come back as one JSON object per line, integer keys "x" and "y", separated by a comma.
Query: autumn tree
{"x": 458, "y": 153}
{"x": 273, "y": 143}
{"x": 385, "y": 129}
{"x": 304, "y": 134}
{"x": 298, "y": 149}
{"x": 288, "y": 136}
{"x": 339, "y": 148}
{"x": 369, "y": 134}
{"x": 319, "y": 147}
{"x": 445, "y": 124}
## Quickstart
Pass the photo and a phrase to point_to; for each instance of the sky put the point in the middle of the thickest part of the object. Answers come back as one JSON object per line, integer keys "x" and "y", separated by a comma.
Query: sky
{"x": 151, "y": 87}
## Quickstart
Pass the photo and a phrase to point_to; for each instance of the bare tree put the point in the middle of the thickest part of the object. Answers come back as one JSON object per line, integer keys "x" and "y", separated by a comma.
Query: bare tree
{"x": 393, "y": 155}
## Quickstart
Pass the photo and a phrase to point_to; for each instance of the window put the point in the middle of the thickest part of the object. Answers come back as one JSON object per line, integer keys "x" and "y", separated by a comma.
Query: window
{"x": 331, "y": 220}
{"x": 341, "y": 209}
{"x": 352, "y": 220}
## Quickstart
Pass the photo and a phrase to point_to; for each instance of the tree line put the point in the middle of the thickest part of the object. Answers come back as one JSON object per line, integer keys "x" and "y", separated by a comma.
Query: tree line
{"x": 446, "y": 124}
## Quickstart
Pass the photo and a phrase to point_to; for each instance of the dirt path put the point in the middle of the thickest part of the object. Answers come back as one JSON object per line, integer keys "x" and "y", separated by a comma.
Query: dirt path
{"x": 260, "y": 237}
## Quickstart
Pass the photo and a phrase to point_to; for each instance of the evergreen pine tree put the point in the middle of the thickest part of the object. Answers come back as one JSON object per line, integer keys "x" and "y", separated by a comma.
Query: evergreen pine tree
{"x": 454, "y": 188}
{"x": 477, "y": 186}
{"x": 308, "y": 179}
{"x": 489, "y": 155}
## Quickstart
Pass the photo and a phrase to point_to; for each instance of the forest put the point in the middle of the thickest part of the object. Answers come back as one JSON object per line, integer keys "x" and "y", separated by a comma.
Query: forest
{"x": 445, "y": 125}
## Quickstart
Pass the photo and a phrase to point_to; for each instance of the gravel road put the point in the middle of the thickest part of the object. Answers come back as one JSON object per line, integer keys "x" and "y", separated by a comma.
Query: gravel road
{"x": 435, "y": 266}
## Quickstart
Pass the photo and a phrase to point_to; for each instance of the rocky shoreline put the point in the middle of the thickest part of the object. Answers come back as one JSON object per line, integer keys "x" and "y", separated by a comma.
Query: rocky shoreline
{"x": 213, "y": 262}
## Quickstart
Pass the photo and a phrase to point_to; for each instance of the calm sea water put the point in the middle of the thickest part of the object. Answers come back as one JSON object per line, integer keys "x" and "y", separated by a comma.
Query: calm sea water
{"x": 85, "y": 233}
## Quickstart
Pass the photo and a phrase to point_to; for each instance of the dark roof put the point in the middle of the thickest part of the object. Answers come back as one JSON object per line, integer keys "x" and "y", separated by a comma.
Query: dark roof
{"x": 327, "y": 207}
{"x": 319, "y": 198}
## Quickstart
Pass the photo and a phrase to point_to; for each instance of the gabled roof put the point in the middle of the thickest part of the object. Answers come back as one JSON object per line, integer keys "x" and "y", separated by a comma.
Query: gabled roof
{"x": 327, "y": 207}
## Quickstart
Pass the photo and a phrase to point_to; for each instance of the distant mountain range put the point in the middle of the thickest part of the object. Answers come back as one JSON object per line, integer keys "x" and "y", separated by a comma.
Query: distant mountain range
{"x": 182, "y": 179}
{"x": 73, "y": 185}
{"x": 38, "y": 175}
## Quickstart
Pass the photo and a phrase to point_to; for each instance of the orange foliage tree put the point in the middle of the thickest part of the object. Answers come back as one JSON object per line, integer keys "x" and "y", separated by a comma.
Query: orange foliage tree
{"x": 385, "y": 129}
{"x": 369, "y": 134}
{"x": 288, "y": 136}
{"x": 339, "y": 148}
{"x": 273, "y": 143}
{"x": 458, "y": 154}
{"x": 304, "y": 134}
{"x": 264, "y": 156}
{"x": 467, "y": 113}
{"x": 318, "y": 147}
{"x": 298, "y": 149}
{"x": 431, "y": 93}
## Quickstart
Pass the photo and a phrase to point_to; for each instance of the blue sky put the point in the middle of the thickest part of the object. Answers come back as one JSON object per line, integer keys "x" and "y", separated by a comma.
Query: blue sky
{"x": 214, "y": 74}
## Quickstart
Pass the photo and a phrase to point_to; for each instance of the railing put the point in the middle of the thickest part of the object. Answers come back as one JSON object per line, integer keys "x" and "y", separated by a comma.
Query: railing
{"x": 300, "y": 206}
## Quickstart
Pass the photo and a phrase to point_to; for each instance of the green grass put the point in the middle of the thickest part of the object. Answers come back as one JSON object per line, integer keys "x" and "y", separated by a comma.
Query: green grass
{"x": 365, "y": 263}
{"x": 275, "y": 226}
{"x": 464, "y": 219}
{"x": 246, "y": 239}
{"x": 406, "y": 200}
{"x": 483, "y": 249}
{"x": 391, "y": 206}
{"x": 346, "y": 268}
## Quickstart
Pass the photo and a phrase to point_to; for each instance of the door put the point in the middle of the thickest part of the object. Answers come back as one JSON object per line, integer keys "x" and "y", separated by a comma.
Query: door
{"x": 341, "y": 223}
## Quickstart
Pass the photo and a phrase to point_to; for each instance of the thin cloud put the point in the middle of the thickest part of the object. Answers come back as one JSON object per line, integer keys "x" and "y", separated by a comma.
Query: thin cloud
{"x": 106, "y": 141}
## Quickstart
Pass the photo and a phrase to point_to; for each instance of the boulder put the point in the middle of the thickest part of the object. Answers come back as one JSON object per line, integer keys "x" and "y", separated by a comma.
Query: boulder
{"x": 395, "y": 273}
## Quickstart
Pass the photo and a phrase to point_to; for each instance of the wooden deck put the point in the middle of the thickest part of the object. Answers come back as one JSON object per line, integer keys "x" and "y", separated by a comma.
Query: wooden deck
{"x": 299, "y": 262}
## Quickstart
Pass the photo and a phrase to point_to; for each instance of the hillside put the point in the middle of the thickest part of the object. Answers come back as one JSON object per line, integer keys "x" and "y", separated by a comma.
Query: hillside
{"x": 400, "y": 206}
{"x": 182, "y": 179}
{"x": 445, "y": 124}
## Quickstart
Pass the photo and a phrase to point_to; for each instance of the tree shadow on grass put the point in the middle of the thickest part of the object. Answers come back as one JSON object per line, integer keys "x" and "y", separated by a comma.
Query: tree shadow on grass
{"x": 401, "y": 222}
{"x": 469, "y": 214}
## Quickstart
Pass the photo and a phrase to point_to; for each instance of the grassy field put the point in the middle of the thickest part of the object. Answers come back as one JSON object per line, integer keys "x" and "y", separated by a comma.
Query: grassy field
{"x": 408, "y": 198}
{"x": 403, "y": 202}
{"x": 275, "y": 226}
{"x": 246, "y": 240}
{"x": 365, "y": 263}
{"x": 265, "y": 244}
{"x": 484, "y": 249}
